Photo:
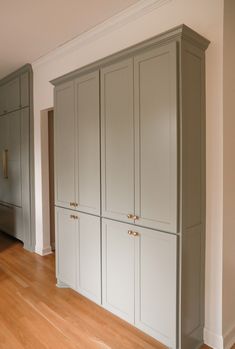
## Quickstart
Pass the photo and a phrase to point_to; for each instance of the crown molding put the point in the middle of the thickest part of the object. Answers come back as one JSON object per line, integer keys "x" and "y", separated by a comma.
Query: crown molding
{"x": 130, "y": 14}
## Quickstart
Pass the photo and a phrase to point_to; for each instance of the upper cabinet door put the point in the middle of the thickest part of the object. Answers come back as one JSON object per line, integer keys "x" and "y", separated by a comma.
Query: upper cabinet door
{"x": 2, "y": 100}
{"x": 117, "y": 127}
{"x": 155, "y": 84}
{"x": 24, "y": 90}
{"x": 65, "y": 146}
{"x": 12, "y": 95}
{"x": 87, "y": 143}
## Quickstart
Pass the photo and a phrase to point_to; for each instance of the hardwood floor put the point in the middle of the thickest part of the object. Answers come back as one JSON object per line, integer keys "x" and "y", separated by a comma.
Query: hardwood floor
{"x": 34, "y": 313}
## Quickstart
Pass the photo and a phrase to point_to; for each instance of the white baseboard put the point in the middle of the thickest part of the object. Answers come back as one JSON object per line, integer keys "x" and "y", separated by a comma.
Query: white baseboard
{"x": 43, "y": 251}
{"x": 213, "y": 340}
{"x": 229, "y": 338}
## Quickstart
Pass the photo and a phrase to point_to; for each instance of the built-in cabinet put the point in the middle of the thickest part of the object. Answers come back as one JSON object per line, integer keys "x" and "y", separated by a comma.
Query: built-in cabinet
{"x": 129, "y": 168}
{"x": 16, "y": 198}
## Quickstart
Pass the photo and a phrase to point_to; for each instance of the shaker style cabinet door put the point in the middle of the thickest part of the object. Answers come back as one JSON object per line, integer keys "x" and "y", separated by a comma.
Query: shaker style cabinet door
{"x": 155, "y": 284}
{"x": 14, "y": 159}
{"x": 24, "y": 89}
{"x": 87, "y": 143}
{"x": 89, "y": 257}
{"x": 12, "y": 95}
{"x": 117, "y": 134}
{"x": 65, "y": 146}
{"x": 66, "y": 246}
{"x": 118, "y": 269}
{"x": 156, "y": 138}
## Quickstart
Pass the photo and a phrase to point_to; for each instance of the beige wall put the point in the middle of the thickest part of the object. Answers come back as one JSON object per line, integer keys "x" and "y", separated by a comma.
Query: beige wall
{"x": 229, "y": 174}
{"x": 206, "y": 17}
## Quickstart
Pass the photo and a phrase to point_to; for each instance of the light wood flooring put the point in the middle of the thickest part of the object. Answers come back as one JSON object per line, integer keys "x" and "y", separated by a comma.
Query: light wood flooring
{"x": 35, "y": 314}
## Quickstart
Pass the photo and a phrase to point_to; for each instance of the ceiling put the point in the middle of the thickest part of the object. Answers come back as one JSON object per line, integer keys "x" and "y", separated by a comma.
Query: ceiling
{"x": 31, "y": 28}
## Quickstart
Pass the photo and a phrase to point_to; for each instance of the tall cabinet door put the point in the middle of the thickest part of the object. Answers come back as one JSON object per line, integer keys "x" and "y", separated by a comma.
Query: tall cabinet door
{"x": 89, "y": 257}
{"x": 4, "y": 136}
{"x": 65, "y": 146}
{"x": 155, "y": 284}
{"x": 118, "y": 269}
{"x": 66, "y": 246}
{"x": 14, "y": 159}
{"x": 117, "y": 121}
{"x": 156, "y": 138}
{"x": 87, "y": 143}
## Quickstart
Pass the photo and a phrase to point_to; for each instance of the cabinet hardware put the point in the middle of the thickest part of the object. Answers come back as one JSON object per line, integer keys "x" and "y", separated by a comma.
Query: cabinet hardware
{"x": 5, "y": 163}
{"x": 130, "y": 215}
{"x": 76, "y": 204}
{"x": 136, "y": 217}
{"x": 72, "y": 204}
{"x": 132, "y": 233}
{"x": 73, "y": 216}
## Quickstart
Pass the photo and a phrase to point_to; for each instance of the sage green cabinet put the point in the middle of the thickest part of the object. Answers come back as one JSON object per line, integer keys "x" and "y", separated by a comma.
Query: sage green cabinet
{"x": 87, "y": 108}
{"x": 139, "y": 278}
{"x": 77, "y": 144}
{"x": 12, "y": 95}
{"x": 65, "y": 128}
{"x": 156, "y": 147}
{"x": 66, "y": 246}
{"x": 89, "y": 257}
{"x": 118, "y": 258}
{"x": 117, "y": 140}
{"x": 152, "y": 127}
{"x": 24, "y": 89}
{"x": 139, "y": 139}
{"x": 10, "y": 149}
{"x": 78, "y": 249}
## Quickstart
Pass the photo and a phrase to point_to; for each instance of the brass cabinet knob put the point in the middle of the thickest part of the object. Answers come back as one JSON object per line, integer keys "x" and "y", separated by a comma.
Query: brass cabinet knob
{"x": 72, "y": 204}
{"x": 129, "y": 232}
{"x": 136, "y": 217}
{"x": 130, "y": 216}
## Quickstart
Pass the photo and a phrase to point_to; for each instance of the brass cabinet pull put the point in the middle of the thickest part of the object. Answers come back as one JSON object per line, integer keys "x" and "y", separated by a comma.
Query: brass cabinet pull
{"x": 5, "y": 163}
{"x": 132, "y": 233}
{"x": 73, "y": 216}
{"x": 130, "y": 215}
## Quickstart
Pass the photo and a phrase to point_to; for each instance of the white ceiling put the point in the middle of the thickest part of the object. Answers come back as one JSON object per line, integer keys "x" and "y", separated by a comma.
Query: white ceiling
{"x": 31, "y": 28}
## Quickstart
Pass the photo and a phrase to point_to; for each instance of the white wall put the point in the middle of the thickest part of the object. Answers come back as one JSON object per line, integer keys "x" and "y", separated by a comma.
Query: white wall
{"x": 206, "y": 17}
{"x": 229, "y": 175}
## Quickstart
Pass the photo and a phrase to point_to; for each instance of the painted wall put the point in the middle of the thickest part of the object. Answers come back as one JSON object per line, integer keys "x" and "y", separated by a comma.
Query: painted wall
{"x": 229, "y": 175}
{"x": 206, "y": 17}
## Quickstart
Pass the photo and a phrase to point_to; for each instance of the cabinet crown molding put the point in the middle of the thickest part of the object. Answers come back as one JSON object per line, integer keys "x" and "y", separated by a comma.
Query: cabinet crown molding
{"x": 181, "y": 32}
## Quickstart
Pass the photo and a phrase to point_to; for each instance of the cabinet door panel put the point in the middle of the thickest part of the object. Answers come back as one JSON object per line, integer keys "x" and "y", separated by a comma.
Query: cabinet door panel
{"x": 66, "y": 246}
{"x": 88, "y": 143}
{"x": 4, "y": 131}
{"x": 155, "y": 285}
{"x": 117, "y": 140}
{"x": 156, "y": 138}
{"x": 12, "y": 95}
{"x": 14, "y": 159}
{"x": 24, "y": 89}
{"x": 64, "y": 145}
{"x": 118, "y": 269}
{"x": 89, "y": 257}
{"x": 2, "y": 100}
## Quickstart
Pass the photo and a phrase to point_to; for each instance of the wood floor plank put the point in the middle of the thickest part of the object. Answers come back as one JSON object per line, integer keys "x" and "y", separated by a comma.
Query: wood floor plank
{"x": 35, "y": 314}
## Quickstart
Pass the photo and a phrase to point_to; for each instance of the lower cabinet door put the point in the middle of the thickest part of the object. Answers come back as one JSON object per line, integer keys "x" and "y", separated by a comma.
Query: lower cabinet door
{"x": 66, "y": 246}
{"x": 118, "y": 269}
{"x": 155, "y": 284}
{"x": 89, "y": 257}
